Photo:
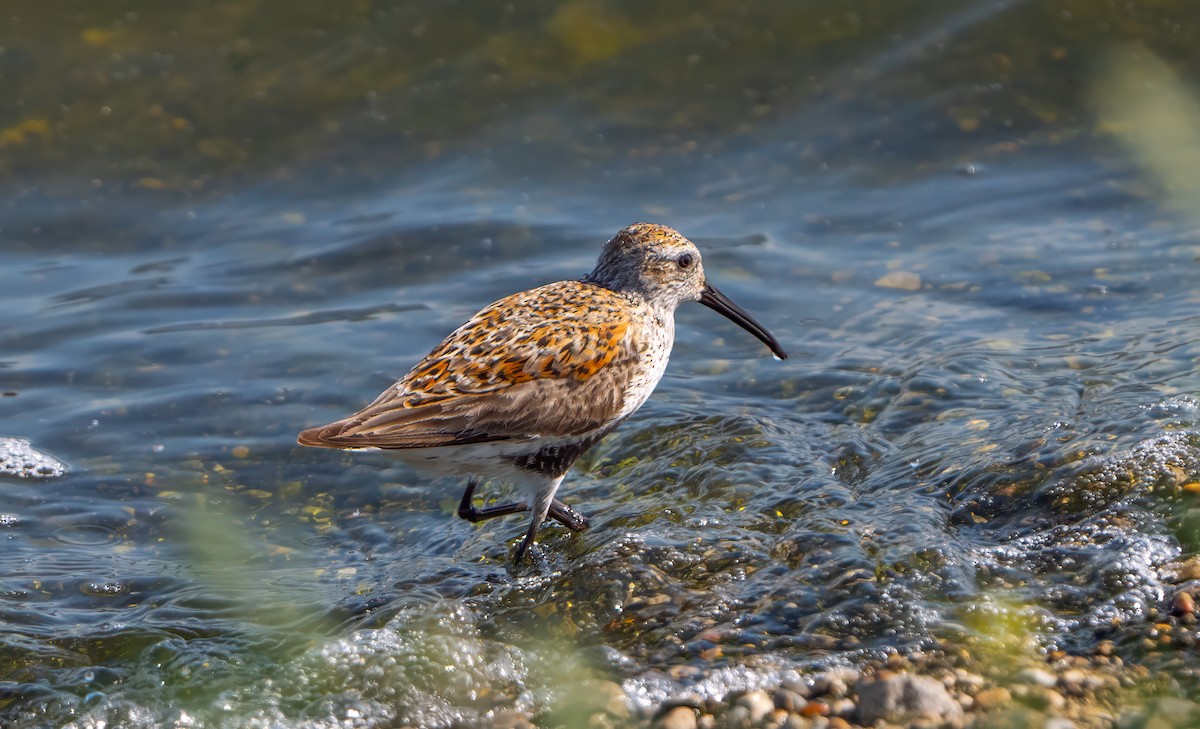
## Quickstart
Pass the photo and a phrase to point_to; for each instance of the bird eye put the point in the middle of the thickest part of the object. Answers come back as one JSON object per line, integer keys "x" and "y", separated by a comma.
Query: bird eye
{"x": 684, "y": 261}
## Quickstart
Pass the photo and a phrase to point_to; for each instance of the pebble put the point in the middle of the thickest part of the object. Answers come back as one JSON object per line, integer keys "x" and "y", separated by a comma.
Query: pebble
{"x": 1037, "y": 677}
{"x": 815, "y": 708}
{"x": 993, "y": 698}
{"x": 844, "y": 708}
{"x": 899, "y": 698}
{"x": 680, "y": 717}
{"x": 736, "y": 718}
{"x": 609, "y": 697}
{"x": 1189, "y": 569}
{"x": 789, "y": 700}
{"x": 1072, "y": 681}
{"x": 1053, "y": 700}
{"x": 758, "y": 705}
{"x": 1183, "y": 604}
{"x": 510, "y": 719}
{"x": 834, "y": 684}
{"x": 798, "y": 687}
{"x": 775, "y": 719}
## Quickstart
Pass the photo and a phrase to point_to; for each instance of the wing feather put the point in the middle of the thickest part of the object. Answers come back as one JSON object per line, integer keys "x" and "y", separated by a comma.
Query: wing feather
{"x": 491, "y": 378}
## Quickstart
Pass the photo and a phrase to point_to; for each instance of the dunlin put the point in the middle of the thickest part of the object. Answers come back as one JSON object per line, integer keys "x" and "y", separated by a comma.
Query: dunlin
{"x": 532, "y": 381}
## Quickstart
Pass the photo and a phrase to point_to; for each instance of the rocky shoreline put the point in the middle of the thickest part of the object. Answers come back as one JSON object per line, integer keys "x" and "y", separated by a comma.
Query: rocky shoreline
{"x": 1065, "y": 692}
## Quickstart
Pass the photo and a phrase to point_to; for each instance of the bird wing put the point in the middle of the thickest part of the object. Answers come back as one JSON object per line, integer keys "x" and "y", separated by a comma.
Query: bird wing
{"x": 551, "y": 361}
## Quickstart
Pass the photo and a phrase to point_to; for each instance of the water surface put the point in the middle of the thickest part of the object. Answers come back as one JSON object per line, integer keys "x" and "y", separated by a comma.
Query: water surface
{"x": 223, "y": 223}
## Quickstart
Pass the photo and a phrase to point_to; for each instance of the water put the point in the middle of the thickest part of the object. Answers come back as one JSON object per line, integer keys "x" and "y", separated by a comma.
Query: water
{"x": 223, "y": 224}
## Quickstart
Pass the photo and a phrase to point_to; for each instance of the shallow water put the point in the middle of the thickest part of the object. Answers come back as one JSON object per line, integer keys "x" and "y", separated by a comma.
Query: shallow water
{"x": 221, "y": 226}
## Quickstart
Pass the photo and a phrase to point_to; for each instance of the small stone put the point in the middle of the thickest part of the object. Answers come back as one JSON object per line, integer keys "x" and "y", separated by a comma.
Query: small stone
{"x": 737, "y": 717}
{"x": 1183, "y": 604}
{"x": 970, "y": 682}
{"x": 1037, "y": 677}
{"x": 815, "y": 708}
{"x": 834, "y": 684}
{"x": 510, "y": 719}
{"x": 683, "y": 672}
{"x": 904, "y": 280}
{"x": 795, "y": 721}
{"x": 758, "y": 705}
{"x": 904, "y": 698}
{"x": 789, "y": 701}
{"x": 1188, "y": 569}
{"x": 837, "y": 722}
{"x": 1054, "y": 701}
{"x": 845, "y": 708}
{"x": 609, "y": 697}
{"x": 1105, "y": 648}
{"x": 706, "y": 721}
{"x": 801, "y": 688}
{"x": 992, "y": 698}
{"x": 1072, "y": 681}
{"x": 680, "y": 717}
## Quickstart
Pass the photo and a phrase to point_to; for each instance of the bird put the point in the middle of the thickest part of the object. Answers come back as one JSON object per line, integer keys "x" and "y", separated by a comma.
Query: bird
{"x": 532, "y": 381}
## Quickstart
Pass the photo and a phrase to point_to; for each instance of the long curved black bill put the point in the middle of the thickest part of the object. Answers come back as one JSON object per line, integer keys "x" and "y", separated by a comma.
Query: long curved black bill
{"x": 719, "y": 302}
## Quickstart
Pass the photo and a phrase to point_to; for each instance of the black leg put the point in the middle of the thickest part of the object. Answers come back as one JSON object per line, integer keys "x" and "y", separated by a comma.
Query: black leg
{"x": 529, "y": 535}
{"x": 559, "y": 511}
{"x": 467, "y": 510}
{"x": 567, "y": 516}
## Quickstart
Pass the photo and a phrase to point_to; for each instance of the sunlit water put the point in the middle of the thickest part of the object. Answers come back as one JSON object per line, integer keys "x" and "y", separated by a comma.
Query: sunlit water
{"x": 988, "y": 411}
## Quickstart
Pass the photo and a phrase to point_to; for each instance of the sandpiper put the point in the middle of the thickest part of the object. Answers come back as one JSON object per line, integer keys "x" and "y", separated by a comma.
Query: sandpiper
{"x": 532, "y": 381}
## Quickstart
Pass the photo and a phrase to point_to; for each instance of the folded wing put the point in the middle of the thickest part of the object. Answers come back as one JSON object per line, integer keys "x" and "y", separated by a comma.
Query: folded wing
{"x": 490, "y": 378}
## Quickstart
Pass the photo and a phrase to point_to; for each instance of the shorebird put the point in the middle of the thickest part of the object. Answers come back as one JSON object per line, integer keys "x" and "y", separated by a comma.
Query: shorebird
{"x": 533, "y": 380}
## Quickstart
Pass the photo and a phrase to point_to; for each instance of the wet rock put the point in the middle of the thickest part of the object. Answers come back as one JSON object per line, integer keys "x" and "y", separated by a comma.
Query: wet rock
{"x": 609, "y": 697}
{"x": 789, "y": 701}
{"x": 758, "y": 705}
{"x": 1183, "y": 604}
{"x": 1042, "y": 699}
{"x": 1188, "y": 569}
{"x": 1072, "y": 681}
{"x": 901, "y": 698}
{"x": 775, "y": 719}
{"x": 795, "y": 721}
{"x": 737, "y": 717}
{"x": 1037, "y": 677}
{"x": 815, "y": 708}
{"x": 510, "y": 719}
{"x": 992, "y": 698}
{"x": 18, "y": 459}
{"x": 1172, "y": 712}
{"x": 967, "y": 681}
{"x": 798, "y": 687}
{"x": 834, "y": 684}
{"x": 680, "y": 717}
{"x": 844, "y": 708}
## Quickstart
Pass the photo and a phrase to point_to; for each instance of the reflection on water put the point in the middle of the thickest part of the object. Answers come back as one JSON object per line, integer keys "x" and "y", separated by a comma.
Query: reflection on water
{"x": 224, "y": 225}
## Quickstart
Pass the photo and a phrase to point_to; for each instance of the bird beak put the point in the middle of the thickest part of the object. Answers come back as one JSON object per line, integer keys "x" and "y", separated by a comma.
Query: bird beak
{"x": 721, "y": 303}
